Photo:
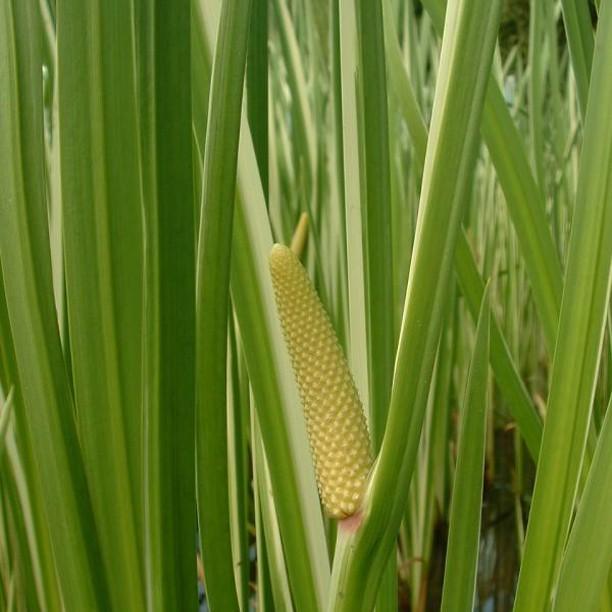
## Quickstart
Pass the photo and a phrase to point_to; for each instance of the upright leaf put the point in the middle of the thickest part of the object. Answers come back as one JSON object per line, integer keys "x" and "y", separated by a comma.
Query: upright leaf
{"x": 466, "y": 502}
{"x": 25, "y": 256}
{"x": 102, "y": 231}
{"x": 577, "y": 21}
{"x": 281, "y": 425}
{"x": 376, "y": 205}
{"x": 588, "y": 557}
{"x": 6, "y": 411}
{"x": 523, "y": 198}
{"x": 451, "y": 151}
{"x": 577, "y": 354}
{"x": 164, "y": 88}
{"x": 213, "y": 273}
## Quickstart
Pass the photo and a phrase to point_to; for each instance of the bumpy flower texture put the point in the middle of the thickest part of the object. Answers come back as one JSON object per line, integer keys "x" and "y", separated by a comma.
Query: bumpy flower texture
{"x": 335, "y": 420}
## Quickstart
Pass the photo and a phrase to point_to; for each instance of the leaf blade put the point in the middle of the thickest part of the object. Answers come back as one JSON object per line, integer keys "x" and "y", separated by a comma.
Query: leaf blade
{"x": 465, "y": 512}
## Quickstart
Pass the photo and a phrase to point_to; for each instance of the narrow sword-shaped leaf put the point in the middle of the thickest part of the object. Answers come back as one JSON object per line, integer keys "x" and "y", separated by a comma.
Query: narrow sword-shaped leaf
{"x": 376, "y": 206}
{"x": 44, "y": 586}
{"x": 506, "y": 373}
{"x": 212, "y": 300}
{"x": 268, "y": 523}
{"x": 304, "y": 128}
{"x": 365, "y": 138}
{"x": 353, "y": 193}
{"x": 281, "y": 425}
{"x": 9, "y": 379}
{"x": 464, "y": 70}
{"x": 338, "y": 152}
{"x": 523, "y": 198}
{"x": 537, "y": 80}
{"x": 238, "y": 473}
{"x": 402, "y": 87}
{"x": 25, "y": 256}
{"x": 102, "y": 232}
{"x": 257, "y": 86}
{"x": 164, "y": 87}
{"x": 508, "y": 378}
{"x": 284, "y": 435}
{"x": 6, "y": 411}
{"x": 578, "y": 351}
{"x": 28, "y": 592}
{"x": 579, "y": 32}
{"x": 466, "y": 502}
{"x": 588, "y": 556}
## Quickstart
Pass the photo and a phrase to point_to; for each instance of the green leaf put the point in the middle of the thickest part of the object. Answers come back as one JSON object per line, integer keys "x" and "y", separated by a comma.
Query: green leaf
{"x": 269, "y": 370}
{"x": 280, "y": 419}
{"x": 238, "y": 473}
{"x": 257, "y": 86}
{"x": 375, "y": 178}
{"x": 268, "y": 526}
{"x": 25, "y": 256}
{"x": 580, "y": 336}
{"x": 523, "y": 198}
{"x": 537, "y": 81}
{"x": 164, "y": 87}
{"x": 588, "y": 556}
{"x": 402, "y": 88}
{"x": 338, "y": 173}
{"x": 296, "y": 78}
{"x": 464, "y": 70}
{"x": 527, "y": 210}
{"x": 465, "y": 510}
{"x": 9, "y": 379}
{"x": 103, "y": 251}
{"x": 376, "y": 207}
{"x": 28, "y": 589}
{"x": 353, "y": 195}
{"x": 212, "y": 300}
{"x": 506, "y": 373}
{"x": 5, "y": 418}
{"x": 579, "y": 32}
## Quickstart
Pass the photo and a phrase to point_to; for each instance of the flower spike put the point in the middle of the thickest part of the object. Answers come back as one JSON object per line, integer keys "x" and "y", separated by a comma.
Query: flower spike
{"x": 335, "y": 421}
